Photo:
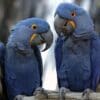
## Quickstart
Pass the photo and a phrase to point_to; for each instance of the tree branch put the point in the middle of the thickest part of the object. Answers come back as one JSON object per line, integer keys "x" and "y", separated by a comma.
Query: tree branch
{"x": 53, "y": 95}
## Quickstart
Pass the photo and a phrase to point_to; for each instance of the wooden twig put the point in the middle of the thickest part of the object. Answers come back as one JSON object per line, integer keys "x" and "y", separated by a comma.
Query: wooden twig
{"x": 53, "y": 95}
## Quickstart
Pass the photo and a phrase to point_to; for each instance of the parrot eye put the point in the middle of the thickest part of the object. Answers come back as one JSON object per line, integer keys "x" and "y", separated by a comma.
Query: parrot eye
{"x": 34, "y": 26}
{"x": 73, "y": 14}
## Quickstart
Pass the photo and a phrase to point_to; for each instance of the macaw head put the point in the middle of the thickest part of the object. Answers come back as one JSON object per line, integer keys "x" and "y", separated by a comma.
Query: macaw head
{"x": 71, "y": 19}
{"x": 32, "y": 31}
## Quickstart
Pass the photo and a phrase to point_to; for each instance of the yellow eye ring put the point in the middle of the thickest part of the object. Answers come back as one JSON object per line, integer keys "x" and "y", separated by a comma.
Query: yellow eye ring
{"x": 34, "y": 26}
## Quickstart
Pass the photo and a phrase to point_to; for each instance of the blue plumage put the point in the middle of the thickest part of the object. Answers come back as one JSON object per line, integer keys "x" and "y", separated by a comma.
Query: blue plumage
{"x": 95, "y": 57}
{"x": 22, "y": 69}
{"x": 78, "y": 59}
{"x": 23, "y": 64}
{"x": 42, "y": 25}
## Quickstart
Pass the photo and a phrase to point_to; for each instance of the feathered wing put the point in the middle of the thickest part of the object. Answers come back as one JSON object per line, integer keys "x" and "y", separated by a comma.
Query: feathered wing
{"x": 58, "y": 56}
{"x": 61, "y": 76}
{"x": 95, "y": 47}
{"x": 38, "y": 56}
{"x": 58, "y": 52}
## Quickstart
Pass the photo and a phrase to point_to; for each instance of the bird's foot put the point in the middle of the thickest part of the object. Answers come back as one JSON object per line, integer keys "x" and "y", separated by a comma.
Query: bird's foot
{"x": 62, "y": 93}
{"x": 40, "y": 93}
{"x": 19, "y": 97}
{"x": 86, "y": 94}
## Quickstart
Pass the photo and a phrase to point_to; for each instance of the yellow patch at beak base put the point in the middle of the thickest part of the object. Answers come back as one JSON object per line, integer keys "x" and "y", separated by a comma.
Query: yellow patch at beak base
{"x": 72, "y": 23}
{"x": 33, "y": 37}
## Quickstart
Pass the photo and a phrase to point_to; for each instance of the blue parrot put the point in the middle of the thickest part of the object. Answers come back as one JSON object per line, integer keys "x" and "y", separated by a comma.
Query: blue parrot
{"x": 23, "y": 63}
{"x": 77, "y": 50}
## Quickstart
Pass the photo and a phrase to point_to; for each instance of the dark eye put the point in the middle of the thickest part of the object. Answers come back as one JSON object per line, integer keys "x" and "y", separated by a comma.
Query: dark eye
{"x": 73, "y": 14}
{"x": 34, "y": 26}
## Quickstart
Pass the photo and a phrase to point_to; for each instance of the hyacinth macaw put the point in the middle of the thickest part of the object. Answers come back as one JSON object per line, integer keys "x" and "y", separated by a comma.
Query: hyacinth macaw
{"x": 77, "y": 49}
{"x": 23, "y": 64}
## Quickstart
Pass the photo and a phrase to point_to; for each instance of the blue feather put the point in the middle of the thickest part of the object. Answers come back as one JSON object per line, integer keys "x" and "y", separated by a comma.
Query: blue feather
{"x": 78, "y": 57}
{"x": 23, "y": 63}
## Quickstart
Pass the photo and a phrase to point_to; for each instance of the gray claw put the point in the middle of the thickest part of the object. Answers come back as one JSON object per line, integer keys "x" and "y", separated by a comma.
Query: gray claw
{"x": 19, "y": 97}
{"x": 63, "y": 91}
{"x": 40, "y": 93}
{"x": 86, "y": 94}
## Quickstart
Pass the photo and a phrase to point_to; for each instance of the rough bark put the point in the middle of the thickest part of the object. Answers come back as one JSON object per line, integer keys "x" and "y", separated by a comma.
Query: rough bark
{"x": 53, "y": 95}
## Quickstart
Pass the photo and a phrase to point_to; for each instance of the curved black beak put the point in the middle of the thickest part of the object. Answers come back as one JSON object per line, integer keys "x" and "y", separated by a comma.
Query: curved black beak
{"x": 38, "y": 39}
{"x": 69, "y": 26}
{"x": 48, "y": 38}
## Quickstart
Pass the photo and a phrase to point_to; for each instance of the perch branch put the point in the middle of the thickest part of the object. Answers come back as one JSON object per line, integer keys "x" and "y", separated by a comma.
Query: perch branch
{"x": 53, "y": 95}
